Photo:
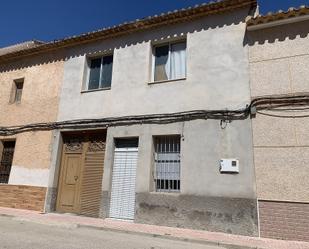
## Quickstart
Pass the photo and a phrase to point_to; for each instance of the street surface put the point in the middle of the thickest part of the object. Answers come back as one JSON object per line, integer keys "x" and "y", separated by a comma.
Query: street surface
{"x": 19, "y": 234}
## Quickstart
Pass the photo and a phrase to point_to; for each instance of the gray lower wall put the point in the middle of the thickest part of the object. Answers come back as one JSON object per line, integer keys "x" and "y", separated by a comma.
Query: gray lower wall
{"x": 228, "y": 215}
{"x": 51, "y": 200}
{"x": 104, "y": 205}
{"x": 216, "y": 214}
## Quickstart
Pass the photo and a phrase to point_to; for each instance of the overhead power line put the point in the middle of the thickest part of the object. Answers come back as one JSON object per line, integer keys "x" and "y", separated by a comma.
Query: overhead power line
{"x": 267, "y": 103}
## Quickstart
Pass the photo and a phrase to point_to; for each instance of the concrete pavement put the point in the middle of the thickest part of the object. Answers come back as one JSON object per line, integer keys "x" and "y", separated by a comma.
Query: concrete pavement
{"x": 16, "y": 234}
{"x": 176, "y": 235}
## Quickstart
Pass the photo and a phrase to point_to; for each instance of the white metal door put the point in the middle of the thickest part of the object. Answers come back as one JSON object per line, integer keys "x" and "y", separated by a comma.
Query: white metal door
{"x": 122, "y": 204}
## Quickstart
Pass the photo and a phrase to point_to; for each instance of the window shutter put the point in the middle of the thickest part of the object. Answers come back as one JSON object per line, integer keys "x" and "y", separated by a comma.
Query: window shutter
{"x": 122, "y": 204}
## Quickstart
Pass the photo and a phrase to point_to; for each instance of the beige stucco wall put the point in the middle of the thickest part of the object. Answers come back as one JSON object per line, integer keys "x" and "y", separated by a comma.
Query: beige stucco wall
{"x": 279, "y": 64}
{"x": 42, "y": 81}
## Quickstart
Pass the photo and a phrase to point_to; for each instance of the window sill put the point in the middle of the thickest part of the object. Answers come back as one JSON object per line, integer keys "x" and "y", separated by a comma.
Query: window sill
{"x": 96, "y": 90}
{"x": 165, "y": 81}
{"x": 15, "y": 103}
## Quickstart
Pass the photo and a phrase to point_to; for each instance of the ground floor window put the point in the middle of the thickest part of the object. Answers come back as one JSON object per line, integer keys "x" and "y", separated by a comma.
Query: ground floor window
{"x": 6, "y": 158}
{"x": 167, "y": 163}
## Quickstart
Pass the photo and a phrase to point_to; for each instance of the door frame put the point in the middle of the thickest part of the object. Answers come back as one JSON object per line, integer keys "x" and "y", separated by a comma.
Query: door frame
{"x": 60, "y": 160}
{"x": 61, "y": 175}
{"x": 114, "y": 148}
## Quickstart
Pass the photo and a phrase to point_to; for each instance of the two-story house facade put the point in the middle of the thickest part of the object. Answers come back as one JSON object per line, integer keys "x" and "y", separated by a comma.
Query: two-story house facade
{"x": 158, "y": 160}
{"x": 151, "y": 121}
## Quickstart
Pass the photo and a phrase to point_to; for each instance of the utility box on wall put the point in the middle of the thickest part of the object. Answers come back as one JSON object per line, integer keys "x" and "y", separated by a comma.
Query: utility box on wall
{"x": 229, "y": 166}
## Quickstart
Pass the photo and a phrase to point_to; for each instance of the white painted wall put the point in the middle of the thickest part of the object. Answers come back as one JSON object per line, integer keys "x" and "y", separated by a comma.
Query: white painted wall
{"x": 217, "y": 72}
{"x": 31, "y": 177}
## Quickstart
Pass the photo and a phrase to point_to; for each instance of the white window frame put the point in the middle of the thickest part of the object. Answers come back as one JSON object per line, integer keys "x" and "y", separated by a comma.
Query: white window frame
{"x": 169, "y": 43}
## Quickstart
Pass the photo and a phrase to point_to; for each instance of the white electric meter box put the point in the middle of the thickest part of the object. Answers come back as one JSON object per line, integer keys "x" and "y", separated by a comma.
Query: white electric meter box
{"x": 229, "y": 166}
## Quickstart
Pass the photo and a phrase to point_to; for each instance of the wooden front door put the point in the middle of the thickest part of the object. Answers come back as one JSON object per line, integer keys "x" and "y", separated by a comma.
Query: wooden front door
{"x": 70, "y": 176}
{"x": 81, "y": 174}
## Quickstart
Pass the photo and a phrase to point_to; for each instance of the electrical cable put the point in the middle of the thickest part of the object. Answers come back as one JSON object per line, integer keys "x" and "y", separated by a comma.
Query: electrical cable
{"x": 287, "y": 102}
{"x": 283, "y": 116}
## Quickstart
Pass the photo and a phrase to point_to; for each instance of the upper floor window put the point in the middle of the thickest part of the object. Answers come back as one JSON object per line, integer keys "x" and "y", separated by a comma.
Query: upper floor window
{"x": 17, "y": 91}
{"x": 169, "y": 61}
{"x": 100, "y": 72}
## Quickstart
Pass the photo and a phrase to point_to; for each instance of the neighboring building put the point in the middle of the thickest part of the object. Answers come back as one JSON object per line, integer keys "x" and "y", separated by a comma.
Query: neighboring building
{"x": 20, "y": 47}
{"x": 279, "y": 65}
{"x": 30, "y": 89}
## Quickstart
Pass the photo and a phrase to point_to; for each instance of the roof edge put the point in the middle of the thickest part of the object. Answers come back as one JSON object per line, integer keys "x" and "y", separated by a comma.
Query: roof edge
{"x": 292, "y": 15}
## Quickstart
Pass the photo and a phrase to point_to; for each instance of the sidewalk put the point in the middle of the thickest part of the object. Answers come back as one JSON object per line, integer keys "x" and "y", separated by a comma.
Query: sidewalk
{"x": 67, "y": 220}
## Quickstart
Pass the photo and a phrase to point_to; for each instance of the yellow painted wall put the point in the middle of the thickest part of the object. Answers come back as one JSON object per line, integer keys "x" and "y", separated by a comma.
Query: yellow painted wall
{"x": 42, "y": 81}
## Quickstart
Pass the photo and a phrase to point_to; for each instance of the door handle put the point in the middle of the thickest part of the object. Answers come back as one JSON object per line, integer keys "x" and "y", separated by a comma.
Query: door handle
{"x": 76, "y": 178}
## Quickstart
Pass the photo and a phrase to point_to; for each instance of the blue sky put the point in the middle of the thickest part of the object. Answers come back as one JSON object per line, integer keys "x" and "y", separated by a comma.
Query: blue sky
{"x": 22, "y": 20}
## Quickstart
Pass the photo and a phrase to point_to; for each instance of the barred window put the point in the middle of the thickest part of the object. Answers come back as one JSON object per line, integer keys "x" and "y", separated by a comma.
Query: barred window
{"x": 6, "y": 159}
{"x": 167, "y": 163}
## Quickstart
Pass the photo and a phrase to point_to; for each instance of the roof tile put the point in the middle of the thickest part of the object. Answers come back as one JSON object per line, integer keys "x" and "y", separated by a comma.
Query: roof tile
{"x": 279, "y": 15}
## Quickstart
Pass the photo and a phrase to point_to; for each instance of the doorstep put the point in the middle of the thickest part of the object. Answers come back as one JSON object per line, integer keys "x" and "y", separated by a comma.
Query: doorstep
{"x": 69, "y": 220}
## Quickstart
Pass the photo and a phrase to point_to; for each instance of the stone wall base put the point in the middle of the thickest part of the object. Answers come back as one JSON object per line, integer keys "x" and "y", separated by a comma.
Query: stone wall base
{"x": 228, "y": 215}
{"x": 51, "y": 200}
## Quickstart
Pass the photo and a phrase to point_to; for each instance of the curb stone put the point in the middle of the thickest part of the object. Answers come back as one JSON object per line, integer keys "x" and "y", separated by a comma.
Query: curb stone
{"x": 170, "y": 237}
{"x": 216, "y": 239}
{"x": 166, "y": 236}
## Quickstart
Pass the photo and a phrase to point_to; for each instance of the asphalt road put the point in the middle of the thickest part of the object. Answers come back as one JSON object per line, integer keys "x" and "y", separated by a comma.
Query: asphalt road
{"x": 17, "y": 234}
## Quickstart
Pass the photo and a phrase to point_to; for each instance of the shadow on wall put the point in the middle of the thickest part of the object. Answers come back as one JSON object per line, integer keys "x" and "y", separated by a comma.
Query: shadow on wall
{"x": 158, "y": 34}
{"x": 277, "y": 34}
{"x": 33, "y": 60}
